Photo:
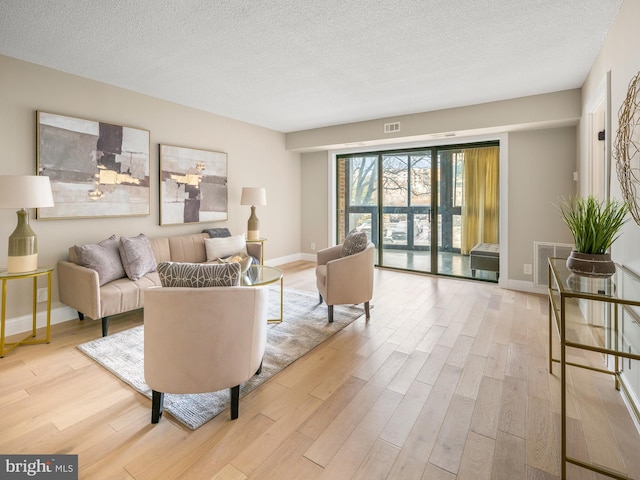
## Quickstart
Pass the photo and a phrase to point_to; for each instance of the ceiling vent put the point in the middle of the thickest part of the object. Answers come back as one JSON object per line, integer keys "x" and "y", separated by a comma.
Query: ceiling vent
{"x": 392, "y": 127}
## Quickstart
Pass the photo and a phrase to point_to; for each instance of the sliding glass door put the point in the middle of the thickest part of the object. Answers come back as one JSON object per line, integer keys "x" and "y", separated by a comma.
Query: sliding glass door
{"x": 424, "y": 209}
{"x": 406, "y": 210}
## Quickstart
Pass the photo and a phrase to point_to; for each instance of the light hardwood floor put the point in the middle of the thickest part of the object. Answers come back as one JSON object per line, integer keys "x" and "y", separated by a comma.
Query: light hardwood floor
{"x": 448, "y": 379}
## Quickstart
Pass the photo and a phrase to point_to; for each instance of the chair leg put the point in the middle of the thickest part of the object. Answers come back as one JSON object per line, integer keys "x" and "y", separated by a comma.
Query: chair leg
{"x": 81, "y": 315}
{"x": 157, "y": 399}
{"x": 105, "y": 326}
{"x": 259, "y": 368}
{"x": 235, "y": 401}
{"x": 366, "y": 310}
{"x": 320, "y": 295}
{"x": 330, "y": 307}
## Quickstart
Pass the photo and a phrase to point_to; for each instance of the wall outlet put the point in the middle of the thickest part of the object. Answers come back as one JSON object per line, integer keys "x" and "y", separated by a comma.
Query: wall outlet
{"x": 313, "y": 245}
{"x": 42, "y": 295}
{"x": 527, "y": 269}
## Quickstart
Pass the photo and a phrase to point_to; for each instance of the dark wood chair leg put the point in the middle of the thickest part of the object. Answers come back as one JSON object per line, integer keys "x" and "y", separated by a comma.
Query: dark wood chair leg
{"x": 320, "y": 295}
{"x": 105, "y": 326}
{"x": 81, "y": 315}
{"x": 157, "y": 399}
{"x": 330, "y": 307}
{"x": 366, "y": 310}
{"x": 235, "y": 401}
{"x": 259, "y": 369}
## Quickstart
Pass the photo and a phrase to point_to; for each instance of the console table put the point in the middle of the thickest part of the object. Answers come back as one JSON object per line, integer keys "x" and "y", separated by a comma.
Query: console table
{"x": 29, "y": 339}
{"x": 620, "y": 295}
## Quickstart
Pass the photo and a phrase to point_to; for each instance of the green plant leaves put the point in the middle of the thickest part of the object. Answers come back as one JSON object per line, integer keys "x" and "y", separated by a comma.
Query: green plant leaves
{"x": 593, "y": 223}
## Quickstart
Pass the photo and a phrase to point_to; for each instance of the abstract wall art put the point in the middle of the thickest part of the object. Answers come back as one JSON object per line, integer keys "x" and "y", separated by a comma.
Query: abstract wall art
{"x": 96, "y": 169}
{"x": 193, "y": 185}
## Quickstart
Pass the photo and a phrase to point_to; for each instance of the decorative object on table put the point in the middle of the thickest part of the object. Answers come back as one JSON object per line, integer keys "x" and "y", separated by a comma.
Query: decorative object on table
{"x": 22, "y": 192}
{"x": 626, "y": 148}
{"x": 243, "y": 259}
{"x": 193, "y": 185}
{"x": 594, "y": 225}
{"x": 96, "y": 169}
{"x": 254, "y": 196}
{"x": 305, "y": 327}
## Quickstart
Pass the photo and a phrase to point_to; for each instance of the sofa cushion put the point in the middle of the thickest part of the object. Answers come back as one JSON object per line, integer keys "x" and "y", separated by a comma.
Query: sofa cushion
{"x": 199, "y": 275}
{"x": 224, "y": 247}
{"x": 103, "y": 257}
{"x": 137, "y": 256}
{"x": 355, "y": 242}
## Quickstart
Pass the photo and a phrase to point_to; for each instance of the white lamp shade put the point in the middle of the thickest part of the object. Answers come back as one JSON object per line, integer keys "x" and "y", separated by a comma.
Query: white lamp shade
{"x": 25, "y": 191}
{"x": 253, "y": 196}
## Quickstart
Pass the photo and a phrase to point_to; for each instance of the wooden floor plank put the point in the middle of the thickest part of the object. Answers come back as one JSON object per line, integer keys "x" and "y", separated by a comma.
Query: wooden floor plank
{"x": 448, "y": 449}
{"x": 486, "y": 414}
{"x": 378, "y": 462}
{"x": 477, "y": 458}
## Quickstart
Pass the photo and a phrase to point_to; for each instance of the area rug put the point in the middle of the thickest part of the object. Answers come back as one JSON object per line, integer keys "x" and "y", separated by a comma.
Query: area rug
{"x": 304, "y": 327}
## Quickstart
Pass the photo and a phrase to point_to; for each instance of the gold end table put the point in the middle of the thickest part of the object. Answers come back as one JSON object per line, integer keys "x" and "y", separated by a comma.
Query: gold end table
{"x": 29, "y": 339}
{"x": 258, "y": 275}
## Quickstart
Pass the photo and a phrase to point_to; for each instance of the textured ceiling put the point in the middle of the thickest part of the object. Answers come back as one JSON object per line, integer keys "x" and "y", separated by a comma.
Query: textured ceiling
{"x": 298, "y": 64}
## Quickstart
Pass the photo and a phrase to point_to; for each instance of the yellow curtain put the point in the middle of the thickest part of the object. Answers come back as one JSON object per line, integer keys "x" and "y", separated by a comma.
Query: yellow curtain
{"x": 480, "y": 210}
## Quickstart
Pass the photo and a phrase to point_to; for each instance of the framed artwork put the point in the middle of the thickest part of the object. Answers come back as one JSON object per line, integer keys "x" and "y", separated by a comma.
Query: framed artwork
{"x": 96, "y": 169}
{"x": 193, "y": 185}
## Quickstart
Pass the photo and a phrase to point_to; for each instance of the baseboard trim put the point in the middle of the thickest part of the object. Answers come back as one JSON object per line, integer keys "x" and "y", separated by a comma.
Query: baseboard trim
{"x": 523, "y": 286}
{"x": 23, "y": 324}
{"x": 274, "y": 262}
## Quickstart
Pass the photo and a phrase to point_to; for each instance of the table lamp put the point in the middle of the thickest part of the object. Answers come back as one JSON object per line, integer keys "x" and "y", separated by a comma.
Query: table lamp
{"x": 22, "y": 192}
{"x": 253, "y": 196}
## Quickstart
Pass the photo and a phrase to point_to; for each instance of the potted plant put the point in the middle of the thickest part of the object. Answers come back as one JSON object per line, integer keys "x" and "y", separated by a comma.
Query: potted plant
{"x": 594, "y": 225}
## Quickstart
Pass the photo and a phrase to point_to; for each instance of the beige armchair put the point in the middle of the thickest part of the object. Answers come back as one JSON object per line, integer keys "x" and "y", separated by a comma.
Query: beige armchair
{"x": 345, "y": 280}
{"x": 200, "y": 340}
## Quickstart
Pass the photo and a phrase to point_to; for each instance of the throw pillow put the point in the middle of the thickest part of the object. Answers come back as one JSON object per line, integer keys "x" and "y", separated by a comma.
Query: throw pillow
{"x": 355, "y": 242}
{"x": 137, "y": 256}
{"x": 103, "y": 257}
{"x": 199, "y": 275}
{"x": 223, "y": 247}
{"x": 217, "y": 232}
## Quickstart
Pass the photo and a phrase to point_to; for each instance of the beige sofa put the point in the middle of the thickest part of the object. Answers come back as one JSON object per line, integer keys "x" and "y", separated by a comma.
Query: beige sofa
{"x": 79, "y": 286}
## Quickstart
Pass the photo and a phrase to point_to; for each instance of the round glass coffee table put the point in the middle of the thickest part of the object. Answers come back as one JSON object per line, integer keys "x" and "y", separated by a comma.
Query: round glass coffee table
{"x": 260, "y": 275}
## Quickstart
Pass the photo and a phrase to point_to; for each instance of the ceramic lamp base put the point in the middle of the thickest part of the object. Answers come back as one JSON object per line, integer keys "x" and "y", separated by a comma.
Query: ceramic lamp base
{"x": 253, "y": 225}
{"x": 23, "y": 246}
{"x": 22, "y": 264}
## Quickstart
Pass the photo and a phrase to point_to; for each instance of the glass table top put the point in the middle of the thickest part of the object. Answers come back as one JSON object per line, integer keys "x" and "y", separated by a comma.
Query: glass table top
{"x": 40, "y": 271}
{"x": 258, "y": 275}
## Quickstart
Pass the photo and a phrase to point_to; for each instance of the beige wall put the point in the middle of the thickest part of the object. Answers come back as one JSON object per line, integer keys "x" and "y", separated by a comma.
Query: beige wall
{"x": 538, "y": 111}
{"x": 315, "y": 216}
{"x": 619, "y": 56}
{"x": 541, "y": 165}
{"x": 256, "y": 157}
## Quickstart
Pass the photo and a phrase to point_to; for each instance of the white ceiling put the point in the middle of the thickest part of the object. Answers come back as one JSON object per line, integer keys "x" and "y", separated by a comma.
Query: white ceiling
{"x": 298, "y": 64}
